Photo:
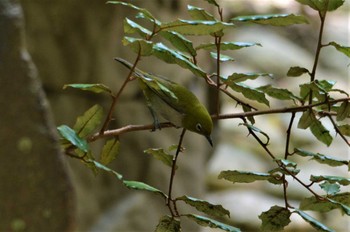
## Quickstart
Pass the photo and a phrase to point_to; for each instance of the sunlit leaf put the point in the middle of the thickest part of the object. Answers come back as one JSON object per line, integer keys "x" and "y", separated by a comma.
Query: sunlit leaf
{"x": 227, "y": 45}
{"x": 168, "y": 224}
{"x": 70, "y": 135}
{"x": 205, "y": 207}
{"x": 275, "y": 219}
{"x": 273, "y": 19}
{"x": 131, "y": 27}
{"x": 296, "y": 71}
{"x": 329, "y": 188}
{"x": 240, "y": 77}
{"x": 89, "y": 121}
{"x": 96, "y": 88}
{"x": 104, "y": 168}
{"x": 313, "y": 222}
{"x": 173, "y": 57}
{"x": 195, "y": 27}
{"x": 235, "y": 176}
{"x": 139, "y": 46}
{"x": 179, "y": 42}
{"x": 223, "y": 58}
{"x": 281, "y": 94}
{"x": 323, "y": 5}
{"x": 331, "y": 179}
{"x": 197, "y": 13}
{"x": 343, "y": 49}
{"x": 142, "y": 186}
{"x": 204, "y": 221}
{"x": 109, "y": 151}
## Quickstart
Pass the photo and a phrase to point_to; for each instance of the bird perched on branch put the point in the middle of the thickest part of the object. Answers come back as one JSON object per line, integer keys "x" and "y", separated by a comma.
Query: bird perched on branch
{"x": 173, "y": 102}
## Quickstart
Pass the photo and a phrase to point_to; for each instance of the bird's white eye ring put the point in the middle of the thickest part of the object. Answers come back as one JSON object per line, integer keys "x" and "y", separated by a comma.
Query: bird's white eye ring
{"x": 198, "y": 127}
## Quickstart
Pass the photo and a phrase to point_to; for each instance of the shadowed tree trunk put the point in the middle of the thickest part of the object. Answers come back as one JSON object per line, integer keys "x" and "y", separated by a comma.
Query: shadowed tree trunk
{"x": 35, "y": 189}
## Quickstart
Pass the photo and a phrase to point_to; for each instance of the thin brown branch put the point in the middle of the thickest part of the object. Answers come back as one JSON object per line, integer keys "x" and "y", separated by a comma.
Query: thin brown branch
{"x": 337, "y": 129}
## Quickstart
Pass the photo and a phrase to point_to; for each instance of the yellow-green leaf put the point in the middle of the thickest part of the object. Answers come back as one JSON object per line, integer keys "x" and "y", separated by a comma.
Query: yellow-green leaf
{"x": 89, "y": 121}
{"x": 109, "y": 151}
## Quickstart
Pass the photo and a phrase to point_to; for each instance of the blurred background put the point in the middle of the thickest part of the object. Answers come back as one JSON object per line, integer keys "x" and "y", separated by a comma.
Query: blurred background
{"x": 46, "y": 44}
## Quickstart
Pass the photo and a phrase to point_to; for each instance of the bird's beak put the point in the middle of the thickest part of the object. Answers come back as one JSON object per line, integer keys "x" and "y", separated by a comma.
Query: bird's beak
{"x": 209, "y": 139}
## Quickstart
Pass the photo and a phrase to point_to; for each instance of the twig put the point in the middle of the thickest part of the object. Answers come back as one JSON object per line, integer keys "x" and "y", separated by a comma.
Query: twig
{"x": 337, "y": 129}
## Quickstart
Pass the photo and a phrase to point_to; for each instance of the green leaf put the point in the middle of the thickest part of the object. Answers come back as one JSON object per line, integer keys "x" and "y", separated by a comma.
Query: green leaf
{"x": 204, "y": 221}
{"x": 142, "y": 186}
{"x": 320, "y": 132}
{"x": 306, "y": 119}
{"x": 195, "y": 27}
{"x": 331, "y": 179}
{"x": 281, "y": 94}
{"x": 343, "y": 49}
{"x": 253, "y": 128}
{"x": 70, "y": 135}
{"x": 139, "y": 46}
{"x": 131, "y": 27}
{"x": 161, "y": 155}
{"x": 343, "y": 111}
{"x": 248, "y": 109}
{"x": 248, "y": 177}
{"x": 247, "y": 91}
{"x": 104, "y": 168}
{"x": 338, "y": 201}
{"x": 213, "y": 2}
{"x": 205, "y": 207}
{"x": 223, "y": 58}
{"x": 173, "y": 57}
{"x": 96, "y": 88}
{"x": 330, "y": 189}
{"x": 240, "y": 77}
{"x": 323, "y": 159}
{"x": 144, "y": 12}
{"x": 344, "y": 129}
{"x": 313, "y": 222}
{"x": 275, "y": 219}
{"x": 273, "y": 19}
{"x": 296, "y": 71}
{"x": 227, "y": 46}
{"x": 197, "y": 13}
{"x": 179, "y": 42}
{"x": 322, "y": 5}
{"x": 168, "y": 224}
{"x": 89, "y": 121}
{"x": 110, "y": 151}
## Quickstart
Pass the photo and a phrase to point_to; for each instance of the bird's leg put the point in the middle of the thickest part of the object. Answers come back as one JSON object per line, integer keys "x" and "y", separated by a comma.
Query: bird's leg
{"x": 156, "y": 122}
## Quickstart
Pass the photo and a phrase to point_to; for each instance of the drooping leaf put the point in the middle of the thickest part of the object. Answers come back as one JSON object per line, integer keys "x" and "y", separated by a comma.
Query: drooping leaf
{"x": 338, "y": 201}
{"x": 319, "y": 88}
{"x": 168, "y": 224}
{"x": 161, "y": 155}
{"x": 223, "y": 58}
{"x": 248, "y": 177}
{"x": 343, "y": 111}
{"x": 143, "y": 11}
{"x": 329, "y": 188}
{"x": 89, "y": 121}
{"x": 173, "y": 57}
{"x": 247, "y": 91}
{"x": 195, "y": 27}
{"x": 281, "y": 94}
{"x": 109, "y": 151}
{"x": 275, "y": 219}
{"x": 273, "y": 19}
{"x": 331, "y": 179}
{"x": 306, "y": 119}
{"x": 88, "y": 160}
{"x": 104, "y": 168}
{"x": 320, "y": 132}
{"x": 96, "y": 88}
{"x": 322, "y": 5}
{"x": 139, "y": 46}
{"x": 179, "y": 42}
{"x": 131, "y": 27}
{"x": 343, "y": 49}
{"x": 249, "y": 109}
{"x": 70, "y": 135}
{"x": 240, "y": 77}
{"x": 142, "y": 186}
{"x": 344, "y": 129}
{"x": 296, "y": 71}
{"x": 205, "y": 207}
{"x": 254, "y": 128}
{"x": 197, "y": 13}
{"x": 313, "y": 222}
{"x": 227, "y": 45}
{"x": 204, "y": 221}
{"x": 321, "y": 158}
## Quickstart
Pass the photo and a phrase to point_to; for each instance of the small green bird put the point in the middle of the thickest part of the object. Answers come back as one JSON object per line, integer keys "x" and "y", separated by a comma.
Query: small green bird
{"x": 173, "y": 102}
